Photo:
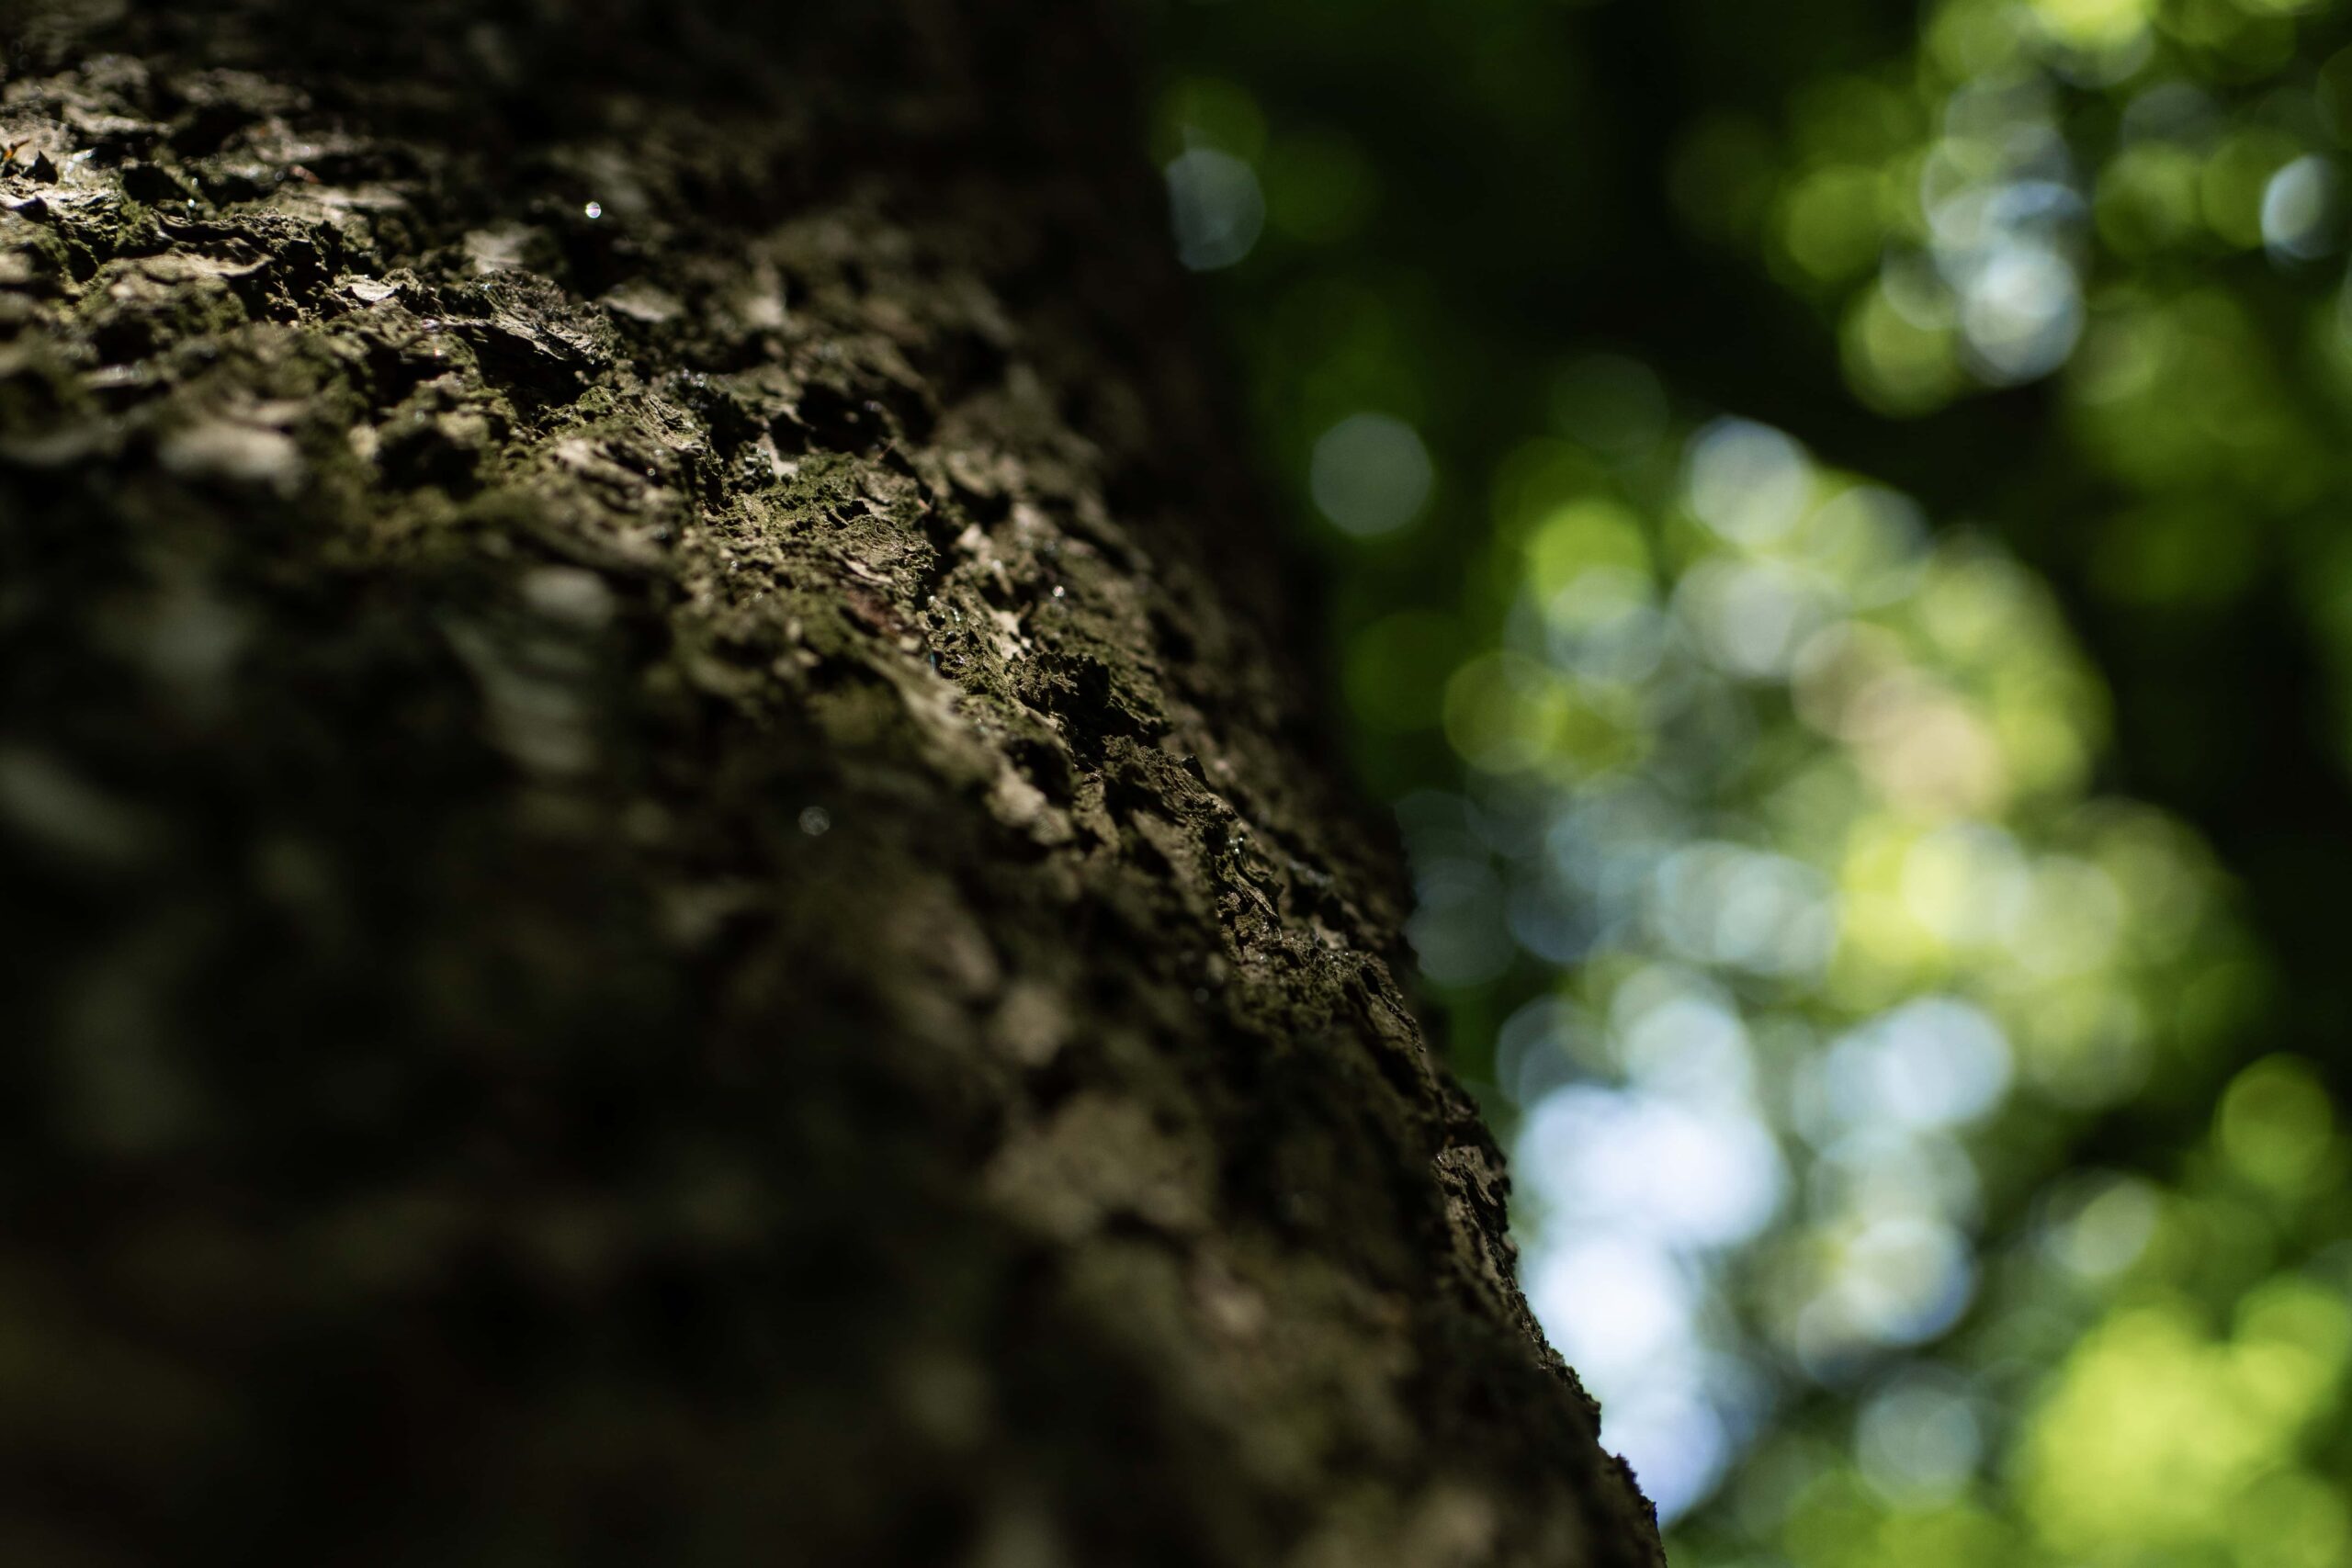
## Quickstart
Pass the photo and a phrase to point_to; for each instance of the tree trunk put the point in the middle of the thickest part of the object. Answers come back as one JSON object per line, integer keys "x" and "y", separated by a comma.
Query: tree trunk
{"x": 671, "y": 897}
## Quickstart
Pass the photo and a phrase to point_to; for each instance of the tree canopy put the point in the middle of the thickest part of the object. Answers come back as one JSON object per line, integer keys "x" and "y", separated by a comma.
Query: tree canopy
{"x": 1835, "y": 519}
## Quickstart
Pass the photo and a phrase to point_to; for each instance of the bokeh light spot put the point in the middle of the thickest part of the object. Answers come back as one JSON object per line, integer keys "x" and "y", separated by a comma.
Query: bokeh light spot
{"x": 1371, "y": 475}
{"x": 1216, "y": 207}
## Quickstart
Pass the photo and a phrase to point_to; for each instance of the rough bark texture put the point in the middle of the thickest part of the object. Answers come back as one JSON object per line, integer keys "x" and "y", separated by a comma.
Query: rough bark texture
{"x": 668, "y": 902}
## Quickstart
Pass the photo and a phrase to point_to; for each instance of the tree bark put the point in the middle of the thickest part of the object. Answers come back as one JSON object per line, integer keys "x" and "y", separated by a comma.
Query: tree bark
{"x": 673, "y": 894}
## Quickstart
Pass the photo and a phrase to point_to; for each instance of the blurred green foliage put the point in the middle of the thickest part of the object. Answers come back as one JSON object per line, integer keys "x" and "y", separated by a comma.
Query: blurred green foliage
{"x": 1836, "y": 519}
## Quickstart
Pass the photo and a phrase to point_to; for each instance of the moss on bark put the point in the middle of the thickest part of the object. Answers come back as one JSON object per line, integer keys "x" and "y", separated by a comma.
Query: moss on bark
{"x": 671, "y": 897}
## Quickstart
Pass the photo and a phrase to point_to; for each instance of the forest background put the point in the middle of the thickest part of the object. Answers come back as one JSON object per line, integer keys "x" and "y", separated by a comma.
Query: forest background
{"x": 1837, "y": 525}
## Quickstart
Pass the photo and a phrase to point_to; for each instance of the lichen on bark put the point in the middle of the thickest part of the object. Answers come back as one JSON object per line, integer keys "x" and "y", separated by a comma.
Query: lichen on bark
{"x": 672, "y": 896}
